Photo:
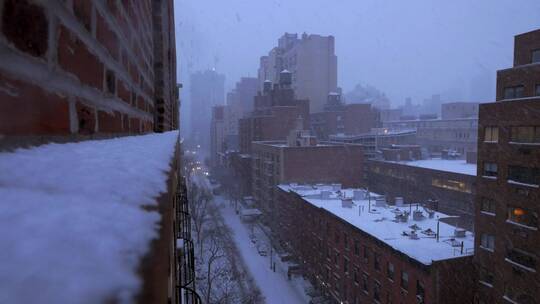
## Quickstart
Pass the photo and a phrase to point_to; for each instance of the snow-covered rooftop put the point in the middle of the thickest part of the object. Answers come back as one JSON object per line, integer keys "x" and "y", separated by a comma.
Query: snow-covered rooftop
{"x": 72, "y": 226}
{"x": 383, "y": 222}
{"x": 448, "y": 165}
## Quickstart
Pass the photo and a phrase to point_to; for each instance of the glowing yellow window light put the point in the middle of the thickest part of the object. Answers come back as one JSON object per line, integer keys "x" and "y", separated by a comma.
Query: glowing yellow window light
{"x": 519, "y": 212}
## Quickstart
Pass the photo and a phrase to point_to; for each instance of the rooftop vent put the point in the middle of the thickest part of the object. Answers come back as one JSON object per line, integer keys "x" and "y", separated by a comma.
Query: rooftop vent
{"x": 459, "y": 232}
{"x": 418, "y": 215}
{"x": 399, "y": 201}
{"x": 346, "y": 202}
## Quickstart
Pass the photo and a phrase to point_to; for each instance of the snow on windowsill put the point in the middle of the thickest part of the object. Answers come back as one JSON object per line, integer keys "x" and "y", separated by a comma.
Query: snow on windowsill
{"x": 72, "y": 224}
{"x": 485, "y": 284}
{"x": 487, "y": 213}
{"x": 524, "y": 143}
{"x": 520, "y": 266}
{"x": 486, "y": 249}
{"x": 489, "y": 177}
{"x": 521, "y": 225}
{"x": 509, "y": 300}
{"x": 513, "y": 182}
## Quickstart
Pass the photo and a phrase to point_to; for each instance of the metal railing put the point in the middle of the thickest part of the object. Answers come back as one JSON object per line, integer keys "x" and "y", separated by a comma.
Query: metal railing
{"x": 184, "y": 247}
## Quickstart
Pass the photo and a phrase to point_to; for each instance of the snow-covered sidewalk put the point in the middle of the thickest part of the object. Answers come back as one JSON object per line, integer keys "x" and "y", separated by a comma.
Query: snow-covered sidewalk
{"x": 72, "y": 224}
{"x": 275, "y": 286}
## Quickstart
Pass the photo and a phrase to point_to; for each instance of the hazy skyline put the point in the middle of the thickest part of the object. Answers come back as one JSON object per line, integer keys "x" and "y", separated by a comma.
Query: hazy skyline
{"x": 412, "y": 48}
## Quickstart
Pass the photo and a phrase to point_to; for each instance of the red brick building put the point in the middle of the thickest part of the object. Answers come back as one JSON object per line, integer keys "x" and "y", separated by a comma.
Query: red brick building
{"x": 80, "y": 69}
{"x": 346, "y": 119}
{"x": 357, "y": 249}
{"x": 508, "y": 194}
{"x": 278, "y": 162}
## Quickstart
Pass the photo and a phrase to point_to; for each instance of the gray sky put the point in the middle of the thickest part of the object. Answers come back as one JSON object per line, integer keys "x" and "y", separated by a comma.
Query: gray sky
{"x": 404, "y": 48}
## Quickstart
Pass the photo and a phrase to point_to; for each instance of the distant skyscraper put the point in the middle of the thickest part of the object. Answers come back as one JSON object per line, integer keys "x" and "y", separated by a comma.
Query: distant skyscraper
{"x": 207, "y": 89}
{"x": 312, "y": 62}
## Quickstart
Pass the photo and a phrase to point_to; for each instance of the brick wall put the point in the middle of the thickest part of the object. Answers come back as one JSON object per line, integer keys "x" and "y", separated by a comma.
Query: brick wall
{"x": 80, "y": 68}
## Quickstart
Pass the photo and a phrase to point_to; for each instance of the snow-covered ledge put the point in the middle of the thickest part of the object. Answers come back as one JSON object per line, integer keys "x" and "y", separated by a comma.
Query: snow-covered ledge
{"x": 77, "y": 219}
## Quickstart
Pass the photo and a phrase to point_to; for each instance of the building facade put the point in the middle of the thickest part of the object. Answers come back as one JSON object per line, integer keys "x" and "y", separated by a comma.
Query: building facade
{"x": 206, "y": 90}
{"x": 82, "y": 69}
{"x": 312, "y": 61}
{"x": 509, "y": 181}
{"x": 217, "y": 134}
{"x": 278, "y": 162}
{"x": 429, "y": 182}
{"x": 350, "y": 248}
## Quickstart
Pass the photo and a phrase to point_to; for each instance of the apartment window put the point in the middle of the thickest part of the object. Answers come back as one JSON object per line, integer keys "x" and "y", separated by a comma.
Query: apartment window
{"x": 345, "y": 265}
{"x": 522, "y": 216}
{"x": 488, "y": 205}
{"x": 356, "y": 275}
{"x": 377, "y": 291}
{"x": 390, "y": 271}
{"x": 346, "y": 240}
{"x": 491, "y": 134}
{"x": 486, "y": 276}
{"x": 336, "y": 237}
{"x": 336, "y": 286}
{"x": 336, "y": 259}
{"x": 490, "y": 169}
{"x": 516, "y": 295}
{"x": 376, "y": 261}
{"x": 535, "y": 56}
{"x": 524, "y": 175}
{"x": 487, "y": 241}
{"x": 365, "y": 285}
{"x": 537, "y": 90}
{"x": 356, "y": 247}
{"x": 525, "y": 134}
{"x": 404, "y": 280}
{"x": 513, "y": 92}
{"x": 420, "y": 291}
{"x": 522, "y": 258}
{"x": 366, "y": 254}
{"x": 110, "y": 81}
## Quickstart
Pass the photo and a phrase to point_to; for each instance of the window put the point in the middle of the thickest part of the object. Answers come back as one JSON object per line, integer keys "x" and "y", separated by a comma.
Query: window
{"x": 487, "y": 241}
{"x": 336, "y": 259}
{"x": 365, "y": 286}
{"x": 356, "y": 247}
{"x": 537, "y": 90}
{"x": 355, "y": 275}
{"x": 525, "y": 134}
{"x": 336, "y": 286}
{"x": 377, "y": 291}
{"x": 487, "y": 205}
{"x": 535, "y": 56}
{"x": 522, "y": 216}
{"x": 366, "y": 254}
{"x": 346, "y": 240}
{"x": 490, "y": 169}
{"x": 404, "y": 280}
{"x": 110, "y": 80}
{"x": 522, "y": 258}
{"x": 345, "y": 265}
{"x": 420, "y": 290}
{"x": 376, "y": 261}
{"x": 486, "y": 277}
{"x": 336, "y": 237}
{"x": 491, "y": 134}
{"x": 390, "y": 271}
{"x": 525, "y": 175}
{"x": 513, "y": 92}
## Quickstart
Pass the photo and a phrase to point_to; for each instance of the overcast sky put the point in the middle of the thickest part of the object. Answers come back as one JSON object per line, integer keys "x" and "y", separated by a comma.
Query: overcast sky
{"x": 404, "y": 48}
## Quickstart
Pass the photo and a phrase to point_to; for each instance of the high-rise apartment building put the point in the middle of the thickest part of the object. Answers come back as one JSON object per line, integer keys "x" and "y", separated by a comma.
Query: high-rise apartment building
{"x": 508, "y": 183}
{"x": 312, "y": 61}
{"x": 207, "y": 89}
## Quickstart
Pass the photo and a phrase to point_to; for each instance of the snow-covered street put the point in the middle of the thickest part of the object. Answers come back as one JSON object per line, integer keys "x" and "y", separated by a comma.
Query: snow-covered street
{"x": 275, "y": 286}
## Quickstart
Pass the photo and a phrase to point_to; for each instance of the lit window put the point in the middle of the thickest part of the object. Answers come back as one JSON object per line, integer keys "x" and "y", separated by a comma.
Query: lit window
{"x": 490, "y": 169}
{"x": 488, "y": 205}
{"x": 535, "y": 56}
{"x": 487, "y": 241}
{"x": 404, "y": 280}
{"x": 524, "y": 175}
{"x": 491, "y": 134}
{"x": 525, "y": 134}
{"x": 522, "y": 216}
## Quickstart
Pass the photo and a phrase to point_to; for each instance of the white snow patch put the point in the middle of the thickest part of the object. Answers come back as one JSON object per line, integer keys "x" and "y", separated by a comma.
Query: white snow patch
{"x": 448, "y": 165}
{"x": 71, "y": 224}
